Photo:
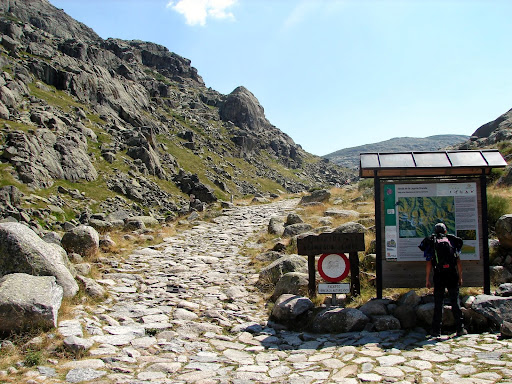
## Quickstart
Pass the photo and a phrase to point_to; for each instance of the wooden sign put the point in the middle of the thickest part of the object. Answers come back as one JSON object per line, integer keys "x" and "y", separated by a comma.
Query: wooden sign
{"x": 332, "y": 243}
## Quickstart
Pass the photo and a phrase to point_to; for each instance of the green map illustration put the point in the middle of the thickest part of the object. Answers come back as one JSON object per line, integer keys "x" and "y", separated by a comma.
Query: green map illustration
{"x": 417, "y": 216}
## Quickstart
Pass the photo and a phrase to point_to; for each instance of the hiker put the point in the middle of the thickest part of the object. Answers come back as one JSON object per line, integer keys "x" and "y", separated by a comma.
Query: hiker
{"x": 441, "y": 250}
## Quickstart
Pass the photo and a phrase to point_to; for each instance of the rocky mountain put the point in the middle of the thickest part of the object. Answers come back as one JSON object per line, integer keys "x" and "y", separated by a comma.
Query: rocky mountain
{"x": 495, "y": 134}
{"x": 91, "y": 125}
{"x": 349, "y": 157}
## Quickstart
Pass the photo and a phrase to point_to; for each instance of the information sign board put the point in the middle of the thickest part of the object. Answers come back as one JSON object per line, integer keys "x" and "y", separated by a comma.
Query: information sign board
{"x": 412, "y": 210}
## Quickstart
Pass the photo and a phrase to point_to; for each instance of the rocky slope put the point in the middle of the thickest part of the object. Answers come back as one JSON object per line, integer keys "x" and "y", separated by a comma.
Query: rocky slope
{"x": 88, "y": 124}
{"x": 496, "y": 134}
{"x": 349, "y": 157}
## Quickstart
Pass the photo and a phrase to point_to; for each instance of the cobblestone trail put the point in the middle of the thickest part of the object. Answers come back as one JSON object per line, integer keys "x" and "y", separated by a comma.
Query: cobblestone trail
{"x": 186, "y": 311}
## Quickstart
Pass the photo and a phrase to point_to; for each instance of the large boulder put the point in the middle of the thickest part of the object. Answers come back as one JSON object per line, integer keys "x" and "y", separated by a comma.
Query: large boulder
{"x": 425, "y": 313}
{"x": 295, "y": 283}
{"x": 83, "y": 240}
{"x": 293, "y": 218}
{"x": 22, "y": 251}
{"x": 351, "y": 227}
{"x": 375, "y": 307}
{"x": 410, "y": 299}
{"x": 140, "y": 149}
{"x": 147, "y": 221}
{"x": 340, "y": 320}
{"x": 342, "y": 213}
{"x": 318, "y": 196}
{"x": 28, "y": 302}
{"x": 495, "y": 308}
{"x": 385, "y": 323}
{"x": 475, "y": 322}
{"x": 406, "y": 315}
{"x": 275, "y": 226}
{"x": 289, "y": 307}
{"x": 271, "y": 274}
{"x": 504, "y": 230}
{"x": 296, "y": 229}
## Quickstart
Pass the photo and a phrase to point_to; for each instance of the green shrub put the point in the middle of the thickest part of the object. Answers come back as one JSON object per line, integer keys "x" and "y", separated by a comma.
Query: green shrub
{"x": 497, "y": 206}
{"x": 33, "y": 358}
{"x": 505, "y": 147}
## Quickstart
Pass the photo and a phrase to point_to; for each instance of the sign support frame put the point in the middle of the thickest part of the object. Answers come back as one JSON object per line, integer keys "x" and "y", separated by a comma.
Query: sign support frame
{"x": 484, "y": 247}
{"x": 329, "y": 242}
{"x": 378, "y": 234}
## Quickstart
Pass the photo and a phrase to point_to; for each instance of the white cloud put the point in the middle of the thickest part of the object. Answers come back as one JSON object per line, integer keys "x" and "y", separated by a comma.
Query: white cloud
{"x": 306, "y": 9}
{"x": 196, "y": 12}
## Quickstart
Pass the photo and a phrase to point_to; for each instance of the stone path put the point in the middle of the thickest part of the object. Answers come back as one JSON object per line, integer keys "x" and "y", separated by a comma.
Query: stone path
{"x": 186, "y": 311}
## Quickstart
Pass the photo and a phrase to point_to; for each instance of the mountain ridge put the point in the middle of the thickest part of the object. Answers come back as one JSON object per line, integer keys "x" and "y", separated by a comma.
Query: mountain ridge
{"x": 349, "y": 157}
{"x": 130, "y": 125}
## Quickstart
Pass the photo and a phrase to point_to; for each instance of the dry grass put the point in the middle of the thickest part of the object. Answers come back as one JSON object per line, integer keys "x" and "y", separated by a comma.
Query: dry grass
{"x": 500, "y": 191}
{"x": 23, "y": 355}
{"x": 29, "y": 350}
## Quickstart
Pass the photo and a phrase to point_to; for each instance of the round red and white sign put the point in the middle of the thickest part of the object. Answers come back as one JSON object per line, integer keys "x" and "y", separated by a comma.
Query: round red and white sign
{"x": 333, "y": 267}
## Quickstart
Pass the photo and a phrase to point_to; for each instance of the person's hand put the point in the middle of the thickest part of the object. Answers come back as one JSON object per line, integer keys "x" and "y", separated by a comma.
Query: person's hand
{"x": 427, "y": 284}
{"x": 460, "y": 281}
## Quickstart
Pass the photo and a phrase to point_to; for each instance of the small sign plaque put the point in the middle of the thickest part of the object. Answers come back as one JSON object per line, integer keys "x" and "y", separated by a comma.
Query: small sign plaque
{"x": 334, "y": 288}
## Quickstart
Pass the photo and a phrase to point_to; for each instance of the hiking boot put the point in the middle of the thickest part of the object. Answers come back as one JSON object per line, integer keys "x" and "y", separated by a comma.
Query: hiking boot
{"x": 462, "y": 332}
{"x": 435, "y": 333}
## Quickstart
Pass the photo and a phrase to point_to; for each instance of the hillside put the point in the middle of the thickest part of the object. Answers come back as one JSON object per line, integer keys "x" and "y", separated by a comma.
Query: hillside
{"x": 349, "y": 157}
{"x": 90, "y": 125}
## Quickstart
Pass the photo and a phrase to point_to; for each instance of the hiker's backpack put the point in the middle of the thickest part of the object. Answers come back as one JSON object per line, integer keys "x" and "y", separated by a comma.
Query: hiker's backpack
{"x": 445, "y": 255}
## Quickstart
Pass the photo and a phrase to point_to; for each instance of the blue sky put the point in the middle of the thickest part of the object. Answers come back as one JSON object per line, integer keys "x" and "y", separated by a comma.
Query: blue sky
{"x": 335, "y": 74}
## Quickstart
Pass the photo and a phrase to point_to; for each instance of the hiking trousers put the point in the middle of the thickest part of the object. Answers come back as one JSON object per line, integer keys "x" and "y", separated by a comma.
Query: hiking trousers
{"x": 448, "y": 282}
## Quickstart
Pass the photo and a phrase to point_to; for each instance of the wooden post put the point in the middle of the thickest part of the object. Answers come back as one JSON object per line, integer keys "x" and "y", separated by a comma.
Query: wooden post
{"x": 312, "y": 276}
{"x": 485, "y": 234}
{"x": 355, "y": 285}
{"x": 378, "y": 234}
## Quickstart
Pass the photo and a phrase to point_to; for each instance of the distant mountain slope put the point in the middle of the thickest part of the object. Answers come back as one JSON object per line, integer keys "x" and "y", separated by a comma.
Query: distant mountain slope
{"x": 349, "y": 157}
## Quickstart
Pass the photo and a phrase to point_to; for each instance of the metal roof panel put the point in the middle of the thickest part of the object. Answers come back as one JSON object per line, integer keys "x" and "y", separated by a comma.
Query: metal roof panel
{"x": 396, "y": 160}
{"x": 432, "y": 159}
{"x": 467, "y": 159}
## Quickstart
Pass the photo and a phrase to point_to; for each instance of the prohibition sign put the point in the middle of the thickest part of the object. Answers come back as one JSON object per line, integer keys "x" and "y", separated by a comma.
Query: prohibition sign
{"x": 333, "y": 267}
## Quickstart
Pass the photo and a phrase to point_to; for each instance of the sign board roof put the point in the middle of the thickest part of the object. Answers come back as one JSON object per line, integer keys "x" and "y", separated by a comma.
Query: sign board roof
{"x": 442, "y": 163}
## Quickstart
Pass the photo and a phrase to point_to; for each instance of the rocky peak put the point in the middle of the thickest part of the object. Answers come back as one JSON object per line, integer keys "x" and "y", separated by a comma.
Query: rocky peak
{"x": 244, "y": 110}
{"x": 504, "y": 121}
{"x": 42, "y": 15}
{"x": 154, "y": 56}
